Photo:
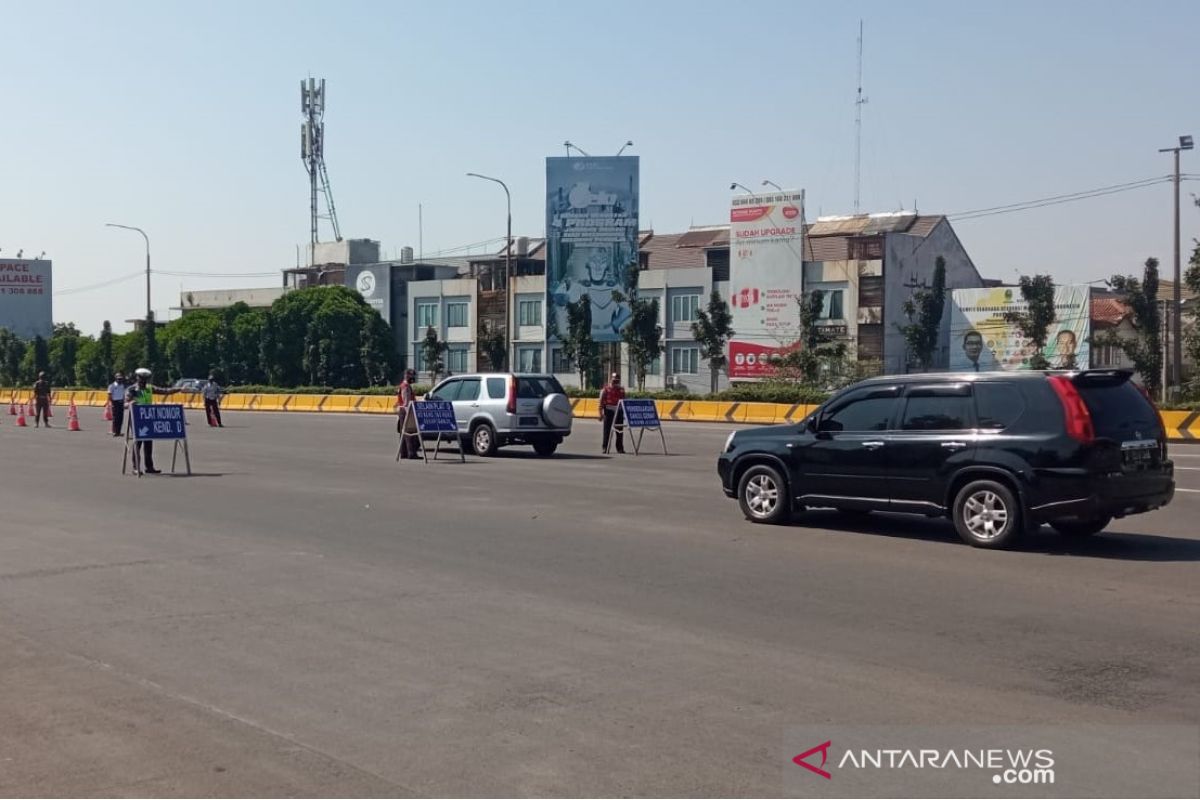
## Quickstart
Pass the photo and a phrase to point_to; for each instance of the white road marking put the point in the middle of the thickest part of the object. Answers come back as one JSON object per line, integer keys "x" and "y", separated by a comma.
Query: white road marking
{"x": 1193, "y": 491}
{"x": 1197, "y": 469}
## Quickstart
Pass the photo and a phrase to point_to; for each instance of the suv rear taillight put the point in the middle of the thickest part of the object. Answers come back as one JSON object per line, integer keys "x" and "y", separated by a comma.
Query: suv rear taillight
{"x": 511, "y": 408}
{"x": 1079, "y": 419}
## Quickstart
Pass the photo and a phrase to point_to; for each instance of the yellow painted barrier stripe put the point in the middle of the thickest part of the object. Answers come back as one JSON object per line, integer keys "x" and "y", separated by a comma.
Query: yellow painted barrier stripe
{"x": 1181, "y": 426}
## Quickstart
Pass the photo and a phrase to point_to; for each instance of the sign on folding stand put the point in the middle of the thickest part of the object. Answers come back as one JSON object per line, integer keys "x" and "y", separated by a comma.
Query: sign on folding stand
{"x": 640, "y": 415}
{"x": 154, "y": 423}
{"x": 430, "y": 416}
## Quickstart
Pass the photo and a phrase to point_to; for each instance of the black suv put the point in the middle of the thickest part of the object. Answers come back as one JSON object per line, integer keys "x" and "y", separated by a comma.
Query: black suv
{"x": 997, "y": 452}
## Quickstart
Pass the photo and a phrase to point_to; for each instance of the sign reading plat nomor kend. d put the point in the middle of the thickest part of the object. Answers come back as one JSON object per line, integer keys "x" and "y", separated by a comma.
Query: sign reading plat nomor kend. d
{"x": 591, "y": 240}
{"x": 981, "y": 338}
{"x": 158, "y": 421}
{"x": 766, "y": 267}
{"x": 26, "y": 306}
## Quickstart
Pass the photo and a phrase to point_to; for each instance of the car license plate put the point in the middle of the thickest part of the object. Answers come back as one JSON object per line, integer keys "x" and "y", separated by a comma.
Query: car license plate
{"x": 527, "y": 422}
{"x": 1138, "y": 451}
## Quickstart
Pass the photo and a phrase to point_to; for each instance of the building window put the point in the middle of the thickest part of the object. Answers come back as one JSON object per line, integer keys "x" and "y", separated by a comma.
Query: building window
{"x": 456, "y": 359}
{"x": 683, "y": 307}
{"x": 456, "y": 315}
{"x": 654, "y": 367}
{"x": 426, "y": 315}
{"x": 419, "y": 361}
{"x": 529, "y": 359}
{"x": 685, "y": 360}
{"x": 559, "y": 363}
{"x": 529, "y": 312}
{"x": 833, "y": 306}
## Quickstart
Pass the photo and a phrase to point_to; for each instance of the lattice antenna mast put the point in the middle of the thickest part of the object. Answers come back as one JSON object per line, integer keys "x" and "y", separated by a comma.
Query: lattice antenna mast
{"x": 312, "y": 153}
{"x": 859, "y": 102}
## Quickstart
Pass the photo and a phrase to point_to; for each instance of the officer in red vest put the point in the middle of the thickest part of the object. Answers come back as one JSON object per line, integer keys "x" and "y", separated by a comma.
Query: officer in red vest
{"x": 610, "y": 397}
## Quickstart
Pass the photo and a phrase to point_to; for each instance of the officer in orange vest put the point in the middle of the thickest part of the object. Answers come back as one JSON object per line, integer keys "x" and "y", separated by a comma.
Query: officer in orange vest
{"x": 610, "y": 398}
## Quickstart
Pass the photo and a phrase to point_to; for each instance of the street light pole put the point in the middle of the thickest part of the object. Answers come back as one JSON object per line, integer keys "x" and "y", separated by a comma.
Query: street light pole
{"x": 508, "y": 276}
{"x": 147, "y": 238}
{"x": 1185, "y": 143}
{"x": 736, "y": 185}
{"x": 772, "y": 183}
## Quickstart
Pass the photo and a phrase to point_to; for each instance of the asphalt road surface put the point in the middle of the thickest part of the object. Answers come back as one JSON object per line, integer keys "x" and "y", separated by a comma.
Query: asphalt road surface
{"x": 305, "y": 616}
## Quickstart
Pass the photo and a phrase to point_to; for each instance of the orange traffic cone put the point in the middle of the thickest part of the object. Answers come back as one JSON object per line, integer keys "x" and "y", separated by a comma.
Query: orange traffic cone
{"x": 108, "y": 410}
{"x": 12, "y": 407}
{"x": 72, "y": 411}
{"x": 21, "y": 418}
{"x": 73, "y": 424}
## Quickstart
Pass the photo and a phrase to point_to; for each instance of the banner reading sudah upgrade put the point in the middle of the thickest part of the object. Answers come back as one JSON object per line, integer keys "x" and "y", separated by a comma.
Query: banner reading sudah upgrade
{"x": 591, "y": 240}
{"x": 766, "y": 265}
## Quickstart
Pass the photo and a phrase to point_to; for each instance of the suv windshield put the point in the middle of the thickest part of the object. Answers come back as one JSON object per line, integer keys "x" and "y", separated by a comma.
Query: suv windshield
{"x": 1119, "y": 411}
{"x": 537, "y": 388}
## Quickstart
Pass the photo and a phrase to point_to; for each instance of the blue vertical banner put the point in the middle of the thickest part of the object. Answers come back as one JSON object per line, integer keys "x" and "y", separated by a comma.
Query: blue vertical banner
{"x": 591, "y": 240}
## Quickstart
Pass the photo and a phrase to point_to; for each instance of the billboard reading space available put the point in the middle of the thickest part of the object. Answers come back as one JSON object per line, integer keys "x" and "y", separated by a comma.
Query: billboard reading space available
{"x": 591, "y": 240}
{"x": 766, "y": 265}
{"x": 26, "y": 306}
{"x": 981, "y": 339}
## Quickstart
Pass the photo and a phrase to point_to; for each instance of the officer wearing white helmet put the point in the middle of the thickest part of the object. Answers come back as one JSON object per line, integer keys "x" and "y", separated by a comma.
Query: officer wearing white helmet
{"x": 142, "y": 392}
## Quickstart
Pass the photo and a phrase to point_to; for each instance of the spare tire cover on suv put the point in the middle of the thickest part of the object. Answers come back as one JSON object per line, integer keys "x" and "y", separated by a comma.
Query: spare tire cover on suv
{"x": 556, "y": 410}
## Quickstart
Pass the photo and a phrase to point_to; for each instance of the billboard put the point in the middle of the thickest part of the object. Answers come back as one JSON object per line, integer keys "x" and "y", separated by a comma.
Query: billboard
{"x": 591, "y": 240}
{"x": 766, "y": 269}
{"x": 25, "y": 297}
{"x": 375, "y": 286}
{"x": 981, "y": 339}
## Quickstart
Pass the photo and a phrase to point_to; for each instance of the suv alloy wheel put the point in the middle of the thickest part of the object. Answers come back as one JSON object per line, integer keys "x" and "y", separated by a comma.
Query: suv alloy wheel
{"x": 987, "y": 514}
{"x": 483, "y": 440}
{"x": 763, "y": 495}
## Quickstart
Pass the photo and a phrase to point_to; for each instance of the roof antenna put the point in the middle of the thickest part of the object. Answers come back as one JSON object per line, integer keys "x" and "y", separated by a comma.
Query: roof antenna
{"x": 859, "y": 101}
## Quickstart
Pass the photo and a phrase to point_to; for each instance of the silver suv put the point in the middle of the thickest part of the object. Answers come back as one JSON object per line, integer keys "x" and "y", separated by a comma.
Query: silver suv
{"x": 494, "y": 409}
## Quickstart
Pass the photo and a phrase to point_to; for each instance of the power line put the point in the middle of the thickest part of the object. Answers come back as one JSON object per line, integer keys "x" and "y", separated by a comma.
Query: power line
{"x": 1058, "y": 199}
{"x": 101, "y": 284}
{"x": 217, "y": 274}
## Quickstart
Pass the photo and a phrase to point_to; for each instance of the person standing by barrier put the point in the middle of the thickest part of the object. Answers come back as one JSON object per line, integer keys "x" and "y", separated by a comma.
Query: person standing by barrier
{"x": 142, "y": 393}
{"x": 41, "y": 401}
{"x": 116, "y": 398}
{"x": 212, "y": 401}
{"x": 404, "y": 398}
{"x": 610, "y": 399}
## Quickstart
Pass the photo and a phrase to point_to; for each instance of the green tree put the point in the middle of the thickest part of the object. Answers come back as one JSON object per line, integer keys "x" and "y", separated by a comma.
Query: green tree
{"x": 642, "y": 336}
{"x": 924, "y": 314}
{"x": 432, "y": 350}
{"x": 106, "y": 354}
{"x": 492, "y": 346}
{"x": 378, "y": 356}
{"x": 712, "y": 329}
{"x": 62, "y": 352}
{"x": 1191, "y": 279}
{"x": 129, "y": 352}
{"x": 1039, "y": 314}
{"x": 1145, "y": 348}
{"x": 578, "y": 345}
{"x": 36, "y": 359}
{"x": 12, "y": 355}
{"x": 818, "y": 356}
{"x": 244, "y": 359}
{"x": 90, "y": 369}
{"x": 191, "y": 345}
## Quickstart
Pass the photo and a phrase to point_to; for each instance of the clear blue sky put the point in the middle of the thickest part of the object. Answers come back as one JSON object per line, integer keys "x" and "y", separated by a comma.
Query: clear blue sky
{"x": 183, "y": 118}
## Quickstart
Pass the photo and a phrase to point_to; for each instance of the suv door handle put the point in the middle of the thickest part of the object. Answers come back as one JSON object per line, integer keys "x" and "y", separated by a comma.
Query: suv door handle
{"x": 872, "y": 445}
{"x": 954, "y": 445}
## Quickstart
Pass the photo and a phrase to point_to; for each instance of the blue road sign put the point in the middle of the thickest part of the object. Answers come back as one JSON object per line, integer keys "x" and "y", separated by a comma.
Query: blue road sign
{"x": 151, "y": 422}
{"x": 641, "y": 413}
{"x": 435, "y": 416}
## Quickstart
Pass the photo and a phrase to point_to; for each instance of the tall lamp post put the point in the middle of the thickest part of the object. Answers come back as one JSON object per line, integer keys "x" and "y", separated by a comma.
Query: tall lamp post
{"x": 147, "y": 238}
{"x": 736, "y": 185}
{"x": 507, "y": 268}
{"x": 1185, "y": 143}
{"x": 772, "y": 183}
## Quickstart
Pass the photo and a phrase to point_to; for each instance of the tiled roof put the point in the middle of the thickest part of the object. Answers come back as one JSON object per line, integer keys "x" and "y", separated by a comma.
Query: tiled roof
{"x": 668, "y": 251}
{"x": 1108, "y": 310}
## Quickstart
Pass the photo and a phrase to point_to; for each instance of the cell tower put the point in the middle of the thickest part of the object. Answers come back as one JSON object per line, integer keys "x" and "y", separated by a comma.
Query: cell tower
{"x": 312, "y": 153}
